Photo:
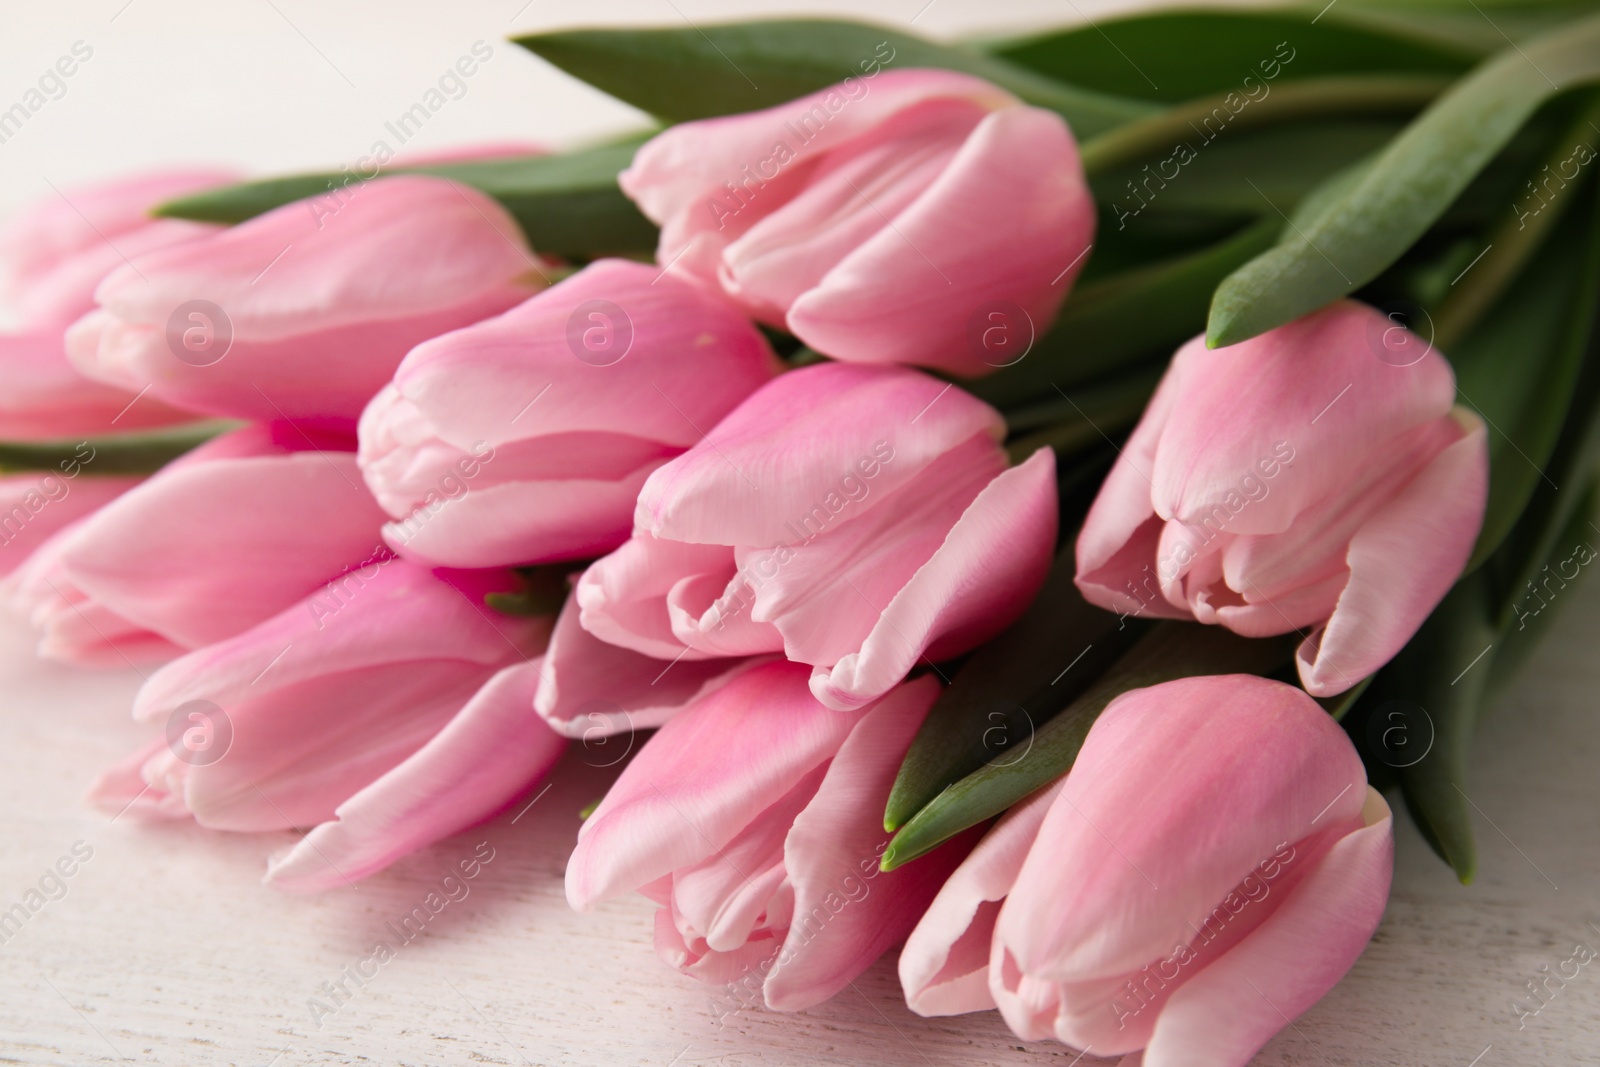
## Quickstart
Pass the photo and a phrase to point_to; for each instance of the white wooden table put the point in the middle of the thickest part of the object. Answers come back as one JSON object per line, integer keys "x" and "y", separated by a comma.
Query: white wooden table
{"x": 166, "y": 949}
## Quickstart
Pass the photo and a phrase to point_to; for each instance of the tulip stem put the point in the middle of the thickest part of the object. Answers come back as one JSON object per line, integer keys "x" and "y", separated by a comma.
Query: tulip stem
{"x": 1311, "y": 98}
{"x": 1171, "y": 650}
{"x": 123, "y": 454}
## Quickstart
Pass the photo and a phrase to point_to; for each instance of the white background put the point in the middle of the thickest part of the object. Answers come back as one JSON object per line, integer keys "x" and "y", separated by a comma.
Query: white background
{"x": 167, "y": 949}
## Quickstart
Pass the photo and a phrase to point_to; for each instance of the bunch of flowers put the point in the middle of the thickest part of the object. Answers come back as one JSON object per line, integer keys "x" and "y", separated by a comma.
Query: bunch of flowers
{"x": 1038, "y": 514}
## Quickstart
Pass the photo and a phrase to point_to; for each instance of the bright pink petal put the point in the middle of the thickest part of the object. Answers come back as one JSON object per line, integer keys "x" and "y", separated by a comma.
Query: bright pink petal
{"x": 1402, "y": 563}
{"x": 491, "y": 752}
{"x": 696, "y": 784}
{"x": 35, "y": 506}
{"x": 984, "y": 575}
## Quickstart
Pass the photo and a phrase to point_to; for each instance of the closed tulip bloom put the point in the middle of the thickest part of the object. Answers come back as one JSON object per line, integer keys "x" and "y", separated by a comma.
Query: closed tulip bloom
{"x": 754, "y": 818}
{"x": 526, "y": 438}
{"x": 885, "y": 220}
{"x": 1304, "y": 480}
{"x": 850, "y": 517}
{"x": 301, "y": 313}
{"x": 402, "y": 717}
{"x": 35, "y": 506}
{"x": 225, "y": 537}
{"x": 1213, "y": 864}
{"x": 52, "y": 257}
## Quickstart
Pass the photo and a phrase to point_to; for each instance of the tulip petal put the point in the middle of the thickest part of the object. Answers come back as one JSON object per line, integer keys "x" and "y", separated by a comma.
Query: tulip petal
{"x": 592, "y": 689}
{"x": 1228, "y": 1010}
{"x": 846, "y": 911}
{"x": 482, "y": 760}
{"x": 981, "y": 578}
{"x": 944, "y": 967}
{"x": 397, "y": 615}
{"x": 1117, "y": 879}
{"x": 694, "y": 785}
{"x": 1018, "y": 161}
{"x": 778, "y": 468}
{"x": 623, "y": 597}
{"x": 1307, "y": 402}
{"x": 1402, "y": 563}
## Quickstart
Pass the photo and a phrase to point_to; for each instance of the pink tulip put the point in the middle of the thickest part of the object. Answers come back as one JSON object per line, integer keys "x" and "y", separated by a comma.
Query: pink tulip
{"x": 526, "y": 438}
{"x": 229, "y": 535}
{"x": 404, "y": 716}
{"x": 1213, "y": 863}
{"x": 33, "y": 507}
{"x": 899, "y": 218}
{"x": 754, "y": 818}
{"x": 51, "y": 258}
{"x": 304, "y": 312}
{"x": 856, "y": 518}
{"x": 1304, "y": 480}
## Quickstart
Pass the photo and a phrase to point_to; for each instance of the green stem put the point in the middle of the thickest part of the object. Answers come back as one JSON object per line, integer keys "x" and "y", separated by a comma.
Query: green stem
{"x": 1293, "y": 101}
{"x": 1511, "y": 244}
{"x": 124, "y": 454}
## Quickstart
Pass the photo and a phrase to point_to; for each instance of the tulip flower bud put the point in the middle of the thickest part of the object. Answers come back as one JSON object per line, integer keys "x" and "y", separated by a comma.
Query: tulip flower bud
{"x": 901, "y": 218}
{"x": 304, "y": 314}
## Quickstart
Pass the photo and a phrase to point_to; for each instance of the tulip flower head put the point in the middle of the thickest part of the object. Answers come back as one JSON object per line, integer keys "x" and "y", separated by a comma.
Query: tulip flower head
{"x": 1212, "y": 864}
{"x": 1299, "y": 481}
{"x": 855, "y": 518}
{"x": 898, "y": 218}
{"x": 526, "y": 438}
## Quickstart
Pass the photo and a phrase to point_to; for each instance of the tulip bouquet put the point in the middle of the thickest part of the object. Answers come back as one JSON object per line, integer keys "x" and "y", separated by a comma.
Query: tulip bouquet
{"x": 1038, "y": 496}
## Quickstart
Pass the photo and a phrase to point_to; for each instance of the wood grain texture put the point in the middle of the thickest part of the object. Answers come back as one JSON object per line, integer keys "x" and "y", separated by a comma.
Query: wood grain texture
{"x": 167, "y": 949}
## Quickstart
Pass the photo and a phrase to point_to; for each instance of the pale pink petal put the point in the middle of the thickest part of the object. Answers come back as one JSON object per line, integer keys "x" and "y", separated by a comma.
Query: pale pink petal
{"x": 944, "y": 967}
{"x": 623, "y": 597}
{"x": 1402, "y": 563}
{"x": 847, "y": 912}
{"x": 1308, "y": 402}
{"x": 1117, "y": 878}
{"x": 1228, "y": 1010}
{"x": 487, "y": 755}
{"x": 984, "y": 575}
{"x": 771, "y": 471}
{"x": 592, "y": 689}
{"x": 896, "y": 297}
{"x": 387, "y": 614}
{"x": 696, "y": 784}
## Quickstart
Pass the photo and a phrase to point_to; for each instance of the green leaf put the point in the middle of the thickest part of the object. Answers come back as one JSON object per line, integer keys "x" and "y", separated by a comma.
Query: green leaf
{"x": 1519, "y": 368}
{"x": 1112, "y": 324}
{"x": 1089, "y": 418}
{"x": 680, "y": 73}
{"x": 568, "y": 205}
{"x": 1443, "y": 671}
{"x": 1197, "y": 123}
{"x": 1407, "y": 188}
{"x": 1176, "y": 55}
{"x": 1242, "y": 176}
{"x": 122, "y": 454}
{"x": 1008, "y": 688}
{"x": 1169, "y": 650}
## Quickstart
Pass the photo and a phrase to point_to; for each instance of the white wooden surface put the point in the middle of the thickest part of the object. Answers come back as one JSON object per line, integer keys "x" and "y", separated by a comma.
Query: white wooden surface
{"x": 165, "y": 947}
